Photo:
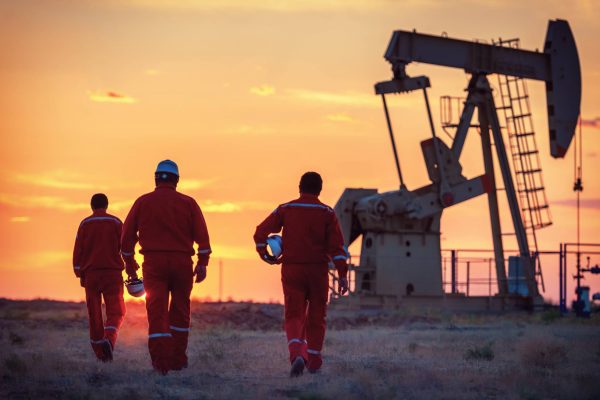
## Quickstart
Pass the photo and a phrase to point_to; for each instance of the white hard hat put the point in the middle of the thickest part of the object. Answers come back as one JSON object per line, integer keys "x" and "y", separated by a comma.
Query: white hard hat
{"x": 167, "y": 166}
{"x": 135, "y": 287}
{"x": 275, "y": 244}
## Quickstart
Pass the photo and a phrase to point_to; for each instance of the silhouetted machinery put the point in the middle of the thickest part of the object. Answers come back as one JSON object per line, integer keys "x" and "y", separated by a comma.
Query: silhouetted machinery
{"x": 400, "y": 229}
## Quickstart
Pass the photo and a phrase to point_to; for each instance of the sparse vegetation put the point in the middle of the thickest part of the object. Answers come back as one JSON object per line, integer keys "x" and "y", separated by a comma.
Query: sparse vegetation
{"x": 550, "y": 316}
{"x": 15, "y": 365}
{"x": 16, "y": 339}
{"x": 542, "y": 353}
{"x": 238, "y": 350}
{"x": 484, "y": 352}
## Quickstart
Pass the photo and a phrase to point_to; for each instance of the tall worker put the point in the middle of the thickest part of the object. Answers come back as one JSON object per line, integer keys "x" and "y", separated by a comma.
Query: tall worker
{"x": 167, "y": 223}
{"x": 311, "y": 240}
{"x": 97, "y": 263}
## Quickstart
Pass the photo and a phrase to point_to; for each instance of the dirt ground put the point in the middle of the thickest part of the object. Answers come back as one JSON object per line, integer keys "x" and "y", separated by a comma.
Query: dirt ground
{"x": 238, "y": 350}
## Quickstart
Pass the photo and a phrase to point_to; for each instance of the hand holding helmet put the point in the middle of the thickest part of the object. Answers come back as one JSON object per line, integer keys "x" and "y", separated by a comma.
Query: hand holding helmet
{"x": 275, "y": 245}
{"x": 135, "y": 286}
{"x": 131, "y": 267}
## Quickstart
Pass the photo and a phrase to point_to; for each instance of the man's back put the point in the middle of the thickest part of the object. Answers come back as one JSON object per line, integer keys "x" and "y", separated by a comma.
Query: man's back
{"x": 167, "y": 221}
{"x": 98, "y": 243}
{"x": 310, "y": 231}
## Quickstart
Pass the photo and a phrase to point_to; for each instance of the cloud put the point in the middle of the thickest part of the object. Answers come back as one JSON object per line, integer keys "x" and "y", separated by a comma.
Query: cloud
{"x": 20, "y": 219}
{"x": 211, "y": 206}
{"x": 43, "y": 259}
{"x": 264, "y": 90}
{"x": 55, "y": 203}
{"x": 55, "y": 179}
{"x": 342, "y": 99}
{"x": 193, "y": 184}
{"x": 591, "y": 123}
{"x": 110, "y": 97}
{"x": 227, "y": 207}
{"x": 262, "y": 5}
{"x": 341, "y": 117}
{"x": 232, "y": 252}
{"x": 593, "y": 203}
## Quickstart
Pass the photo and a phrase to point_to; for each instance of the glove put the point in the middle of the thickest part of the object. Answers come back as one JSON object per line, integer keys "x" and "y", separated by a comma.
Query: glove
{"x": 200, "y": 272}
{"x": 342, "y": 286}
{"x": 266, "y": 257}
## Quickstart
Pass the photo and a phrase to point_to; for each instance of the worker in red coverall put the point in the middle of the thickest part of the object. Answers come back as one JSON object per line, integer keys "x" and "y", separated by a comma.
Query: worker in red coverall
{"x": 311, "y": 240}
{"x": 167, "y": 223}
{"x": 97, "y": 262}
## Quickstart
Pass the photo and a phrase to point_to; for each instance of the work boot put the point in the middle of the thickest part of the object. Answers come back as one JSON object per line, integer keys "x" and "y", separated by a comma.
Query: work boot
{"x": 161, "y": 368}
{"x": 107, "y": 351}
{"x": 179, "y": 367}
{"x": 297, "y": 367}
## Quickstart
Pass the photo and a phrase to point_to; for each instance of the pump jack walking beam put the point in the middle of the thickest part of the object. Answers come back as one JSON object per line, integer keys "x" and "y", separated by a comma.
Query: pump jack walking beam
{"x": 557, "y": 65}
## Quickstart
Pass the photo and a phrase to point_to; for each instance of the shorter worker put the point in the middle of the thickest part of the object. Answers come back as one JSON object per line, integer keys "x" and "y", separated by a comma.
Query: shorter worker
{"x": 98, "y": 264}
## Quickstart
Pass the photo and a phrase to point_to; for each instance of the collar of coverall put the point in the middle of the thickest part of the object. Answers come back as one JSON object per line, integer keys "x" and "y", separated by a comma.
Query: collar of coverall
{"x": 99, "y": 211}
{"x": 309, "y": 196}
{"x": 165, "y": 185}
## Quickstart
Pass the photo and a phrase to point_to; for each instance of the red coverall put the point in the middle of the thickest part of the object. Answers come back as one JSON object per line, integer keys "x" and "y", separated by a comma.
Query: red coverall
{"x": 168, "y": 224}
{"x": 311, "y": 239}
{"x": 97, "y": 262}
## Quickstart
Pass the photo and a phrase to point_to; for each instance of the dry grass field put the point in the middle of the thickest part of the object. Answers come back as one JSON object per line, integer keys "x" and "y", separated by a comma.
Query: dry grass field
{"x": 237, "y": 350}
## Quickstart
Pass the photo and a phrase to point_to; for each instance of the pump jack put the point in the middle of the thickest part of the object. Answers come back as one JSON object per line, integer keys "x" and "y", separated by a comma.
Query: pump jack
{"x": 400, "y": 252}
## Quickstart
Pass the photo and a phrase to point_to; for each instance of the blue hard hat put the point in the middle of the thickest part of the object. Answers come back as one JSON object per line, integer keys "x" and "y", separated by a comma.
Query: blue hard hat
{"x": 167, "y": 166}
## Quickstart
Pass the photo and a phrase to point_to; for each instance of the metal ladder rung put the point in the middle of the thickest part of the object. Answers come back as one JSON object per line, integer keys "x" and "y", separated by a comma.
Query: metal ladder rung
{"x": 518, "y": 98}
{"x": 535, "y": 208}
{"x": 526, "y": 153}
{"x": 523, "y": 134}
{"x": 534, "y": 189}
{"x": 532, "y": 171}
{"x": 521, "y": 116}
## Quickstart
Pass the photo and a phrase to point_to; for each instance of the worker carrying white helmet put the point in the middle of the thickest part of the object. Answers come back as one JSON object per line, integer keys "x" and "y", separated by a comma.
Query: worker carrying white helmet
{"x": 167, "y": 224}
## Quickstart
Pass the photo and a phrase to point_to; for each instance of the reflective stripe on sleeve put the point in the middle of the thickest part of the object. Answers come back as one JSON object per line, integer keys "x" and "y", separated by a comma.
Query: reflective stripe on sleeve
{"x": 261, "y": 245}
{"x": 100, "y": 219}
{"x": 178, "y": 329}
{"x": 98, "y": 341}
{"x": 205, "y": 251}
{"x": 157, "y": 335}
{"x": 308, "y": 205}
{"x": 313, "y": 352}
{"x": 340, "y": 258}
{"x": 111, "y": 328}
{"x": 76, "y": 267}
{"x": 126, "y": 253}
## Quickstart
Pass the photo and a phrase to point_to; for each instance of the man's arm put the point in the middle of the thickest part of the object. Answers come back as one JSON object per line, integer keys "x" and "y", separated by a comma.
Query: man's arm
{"x": 78, "y": 252}
{"x": 272, "y": 224}
{"x": 129, "y": 238}
{"x": 335, "y": 246}
{"x": 201, "y": 235}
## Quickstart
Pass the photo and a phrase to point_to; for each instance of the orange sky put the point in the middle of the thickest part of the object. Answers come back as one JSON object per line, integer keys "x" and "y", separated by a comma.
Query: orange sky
{"x": 245, "y": 97}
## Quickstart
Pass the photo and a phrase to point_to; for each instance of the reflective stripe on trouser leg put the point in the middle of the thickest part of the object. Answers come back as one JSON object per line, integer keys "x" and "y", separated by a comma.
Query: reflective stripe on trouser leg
{"x": 115, "y": 307}
{"x": 315, "y": 316}
{"x": 93, "y": 301}
{"x": 156, "y": 284}
{"x": 295, "y": 288}
{"x": 182, "y": 281}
